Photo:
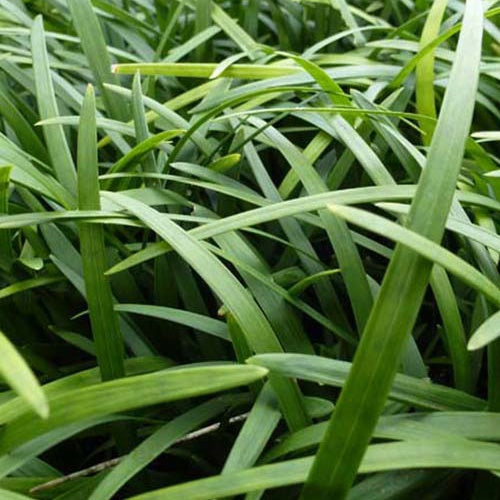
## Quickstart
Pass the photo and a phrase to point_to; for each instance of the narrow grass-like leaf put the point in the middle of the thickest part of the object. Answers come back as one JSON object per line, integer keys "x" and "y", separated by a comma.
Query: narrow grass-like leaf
{"x": 126, "y": 394}
{"x": 255, "y": 433}
{"x": 173, "y": 104}
{"x": 425, "y": 247}
{"x": 25, "y": 174}
{"x": 379, "y": 457}
{"x": 289, "y": 338}
{"x": 60, "y": 155}
{"x": 22, "y": 286}
{"x": 166, "y": 38}
{"x": 424, "y": 89}
{"x": 225, "y": 163}
{"x": 35, "y": 218}
{"x": 105, "y": 123}
{"x": 349, "y": 259}
{"x": 347, "y": 255}
{"x": 456, "y": 338}
{"x": 76, "y": 339}
{"x": 223, "y": 65}
{"x": 105, "y": 329}
{"x": 410, "y": 390}
{"x": 487, "y": 135}
{"x": 187, "y": 318}
{"x": 205, "y": 70}
{"x": 411, "y": 65}
{"x": 306, "y": 282}
{"x": 128, "y": 160}
{"x": 349, "y": 19}
{"x": 140, "y": 123}
{"x": 28, "y": 451}
{"x": 327, "y": 297}
{"x": 234, "y": 31}
{"x": 282, "y": 318}
{"x": 410, "y": 426}
{"x": 17, "y": 407}
{"x": 387, "y": 485}
{"x": 156, "y": 444}
{"x": 469, "y": 230}
{"x": 210, "y": 263}
{"x": 203, "y": 11}
{"x": 390, "y": 321}
{"x": 23, "y": 128}
{"x": 19, "y": 376}
{"x": 6, "y": 253}
{"x": 121, "y": 14}
{"x": 488, "y": 332}
{"x": 87, "y": 26}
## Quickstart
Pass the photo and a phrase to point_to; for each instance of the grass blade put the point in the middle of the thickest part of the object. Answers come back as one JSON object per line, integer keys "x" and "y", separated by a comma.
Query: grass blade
{"x": 404, "y": 455}
{"x": 22, "y": 286}
{"x": 424, "y": 89}
{"x": 16, "y": 407}
{"x": 390, "y": 322}
{"x": 154, "y": 445}
{"x": 425, "y": 247}
{"x": 488, "y": 332}
{"x": 203, "y": 10}
{"x": 105, "y": 330}
{"x": 19, "y": 376}
{"x": 407, "y": 427}
{"x": 205, "y": 70}
{"x": 410, "y": 390}
{"x": 193, "y": 320}
{"x": 91, "y": 36}
{"x": 255, "y": 433}
{"x": 128, "y": 393}
{"x": 140, "y": 124}
{"x": 60, "y": 155}
{"x": 6, "y": 253}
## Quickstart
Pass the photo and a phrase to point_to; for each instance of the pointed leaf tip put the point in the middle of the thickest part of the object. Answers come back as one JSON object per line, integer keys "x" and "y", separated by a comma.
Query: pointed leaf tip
{"x": 488, "y": 332}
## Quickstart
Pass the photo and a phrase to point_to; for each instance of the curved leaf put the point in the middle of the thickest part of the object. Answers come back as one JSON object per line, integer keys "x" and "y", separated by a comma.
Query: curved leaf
{"x": 19, "y": 376}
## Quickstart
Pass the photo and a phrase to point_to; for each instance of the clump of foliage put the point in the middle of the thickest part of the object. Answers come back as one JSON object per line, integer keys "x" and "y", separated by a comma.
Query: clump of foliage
{"x": 249, "y": 248}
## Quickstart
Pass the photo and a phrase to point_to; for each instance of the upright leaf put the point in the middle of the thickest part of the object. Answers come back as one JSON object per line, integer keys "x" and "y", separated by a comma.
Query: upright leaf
{"x": 59, "y": 152}
{"x": 140, "y": 124}
{"x": 6, "y": 254}
{"x": 105, "y": 330}
{"x": 425, "y": 70}
{"x": 403, "y": 288}
{"x": 91, "y": 36}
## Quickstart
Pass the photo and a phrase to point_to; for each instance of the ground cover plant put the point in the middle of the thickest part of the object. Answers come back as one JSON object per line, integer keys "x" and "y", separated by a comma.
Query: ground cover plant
{"x": 248, "y": 249}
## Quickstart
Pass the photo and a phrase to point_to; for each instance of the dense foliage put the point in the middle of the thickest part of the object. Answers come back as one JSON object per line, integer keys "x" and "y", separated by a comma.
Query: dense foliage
{"x": 249, "y": 248}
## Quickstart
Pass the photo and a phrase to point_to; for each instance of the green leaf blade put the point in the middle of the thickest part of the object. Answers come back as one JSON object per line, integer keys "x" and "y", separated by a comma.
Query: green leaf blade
{"x": 20, "y": 377}
{"x": 396, "y": 308}
{"x": 105, "y": 328}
